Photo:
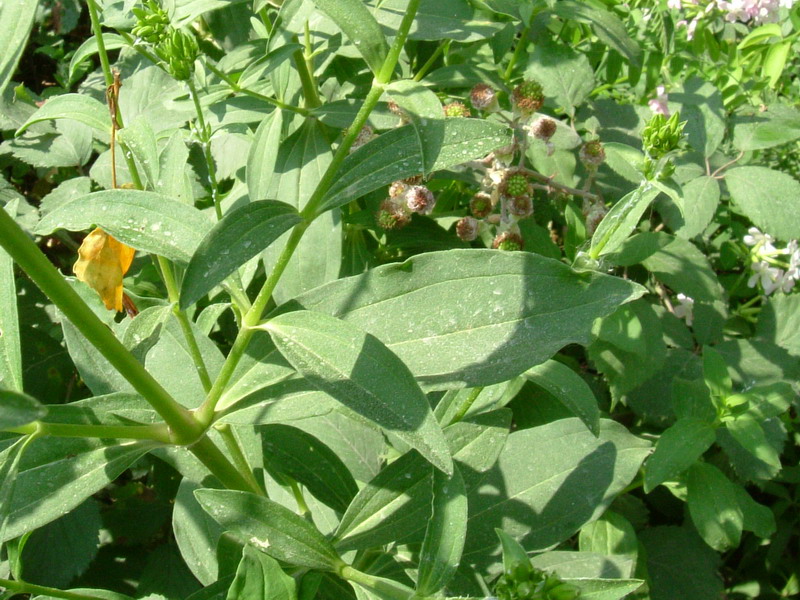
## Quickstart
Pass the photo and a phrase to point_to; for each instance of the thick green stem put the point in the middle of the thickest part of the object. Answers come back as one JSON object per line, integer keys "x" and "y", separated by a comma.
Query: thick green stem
{"x": 216, "y": 462}
{"x": 22, "y": 249}
{"x": 183, "y": 320}
{"x": 158, "y": 433}
{"x": 383, "y": 588}
{"x": 466, "y": 405}
{"x": 387, "y": 69}
{"x": 521, "y": 44}
{"x": 430, "y": 62}
{"x": 310, "y": 93}
{"x": 21, "y": 587}
{"x": 101, "y": 45}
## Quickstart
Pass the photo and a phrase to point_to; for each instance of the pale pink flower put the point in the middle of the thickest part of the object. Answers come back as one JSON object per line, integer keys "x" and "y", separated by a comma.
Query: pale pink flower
{"x": 659, "y": 104}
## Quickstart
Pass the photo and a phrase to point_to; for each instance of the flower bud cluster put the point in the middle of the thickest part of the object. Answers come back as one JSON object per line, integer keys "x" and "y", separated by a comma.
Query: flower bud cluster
{"x": 152, "y": 22}
{"x": 406, "y": 197}
{"x": 175, "y": 47}
{"x": 525, "y": 582}
{"x": 661, "y": 135}
{"x": 775, "y": 269}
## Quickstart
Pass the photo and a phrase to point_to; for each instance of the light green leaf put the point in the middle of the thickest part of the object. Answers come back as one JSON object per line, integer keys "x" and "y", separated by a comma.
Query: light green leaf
{"x": 775, "y": 61}
{"x": 395, "y": 155}
{"x": 18, "y": 409}
{"x": 270, "y": 527}
{"x": 238, "y": 237}
{"x": 605, "y": 589}
{"x": 565, "y": 75}
{"x": 702, "y": 107}
{"x": 427, "y": 117}
{"x": 174, "y": 176}
{"x": 621, "y": 220}
{"x": 678, "y": 448}
{"x": 112, "y": 41}
{"x": 570, "y": 389}
{"x": 436, "y": 20}
{"x": 779, "y": 322}
{"x": 10, "y": 349}
{"x": 147, "y": 221}
{"x": 522, "y": 309}
{"x": 196, "y": 533}
{"x": 584, "y": 565}
{"x": 359, "y": 371}
{"x": 138, "y": 136}
{"x": 698, "y": 205}
{"x": 445, "y": 534}
{"x": 713, "y": 506}
{"x": 768, "y": 198}
{"x": 260, "y": 577}
{"x": 78, "y": 107}
{"x": 17, "y": 19}
{"x": 57, "y": 474}
{"x": 541, "y": 502}
{"x": 750, "y": 434}
{"x": 779, "y": 124}
{"x": 360, "y": 26}
{"x": 263, "y": 155}
{"x": 610, "y": 534}
{"x": 307, "y": 460}
{"x": 625, "y": 160}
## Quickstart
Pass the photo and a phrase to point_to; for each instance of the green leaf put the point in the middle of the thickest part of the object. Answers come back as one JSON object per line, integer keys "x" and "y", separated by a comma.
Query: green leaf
{"x": 701, "y": 106}
{"x": 779, "y": 322}
{"x": 750, "y": 434}
{"x": 260, "y": 577}
{"x": 147, "y": 221}
{"x": 78, "y": 107}
{"x": 605, "y": 24}
{"x": 360, "y": 26}
{"x": 715, "y": 374}
{"x": 359, "y": 371}
{"x": 621, "y": 220}
{"x": 698, "y": 206}
{"x": 174, "y": 179}
{"x": 196, "y": 533}
{"x": 238, "y": 237}
{"x": 545, "y": 501}
{"x": 111, "y": 41}
{"x": 566, "y": 76}
{"x": 140, "y": 139}
{"x": 778, "y": 125}
{"x": 570, "y": 389}
{"x": 676, "y": 450}
{"x": 18, "y": 409}
{"x": 303, "y": 457}
{"x": 436, "y": 20}
{"x": 680, "y": 565}
{"x": 263, "y": 155}
{"x": 528, "y": 308}
{"x": 270, "y": 527}
{"x": 17, "y": 19}
{"x": 584, "y": 565}
{"x": 57, "y": 474}
{"x": 605, "y": 589}
{"x": 610, "y": 534}
{"x": 756, "y": 517}
{"x": 513, "y": 552}
{"x": 427, "y": 117}
{"x": 775, "y": 61}
{"x": 10, "y": 348}
{"x": 768, "y": 198}
{"x": 713, "y": 506}
{"x": 396, "y": 155}
{"x": 445, "y": 534}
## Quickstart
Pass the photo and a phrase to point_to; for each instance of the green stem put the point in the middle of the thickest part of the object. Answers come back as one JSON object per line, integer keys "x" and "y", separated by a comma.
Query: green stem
{"x": 466, "y": 405}
{"x": 101, "y": 45}
{"x": 216, "y": 462}
{"x": 310, "y": 93}
{"x": 183, "y": 320}
{"x": 430, "y": 62}
{"x": 21, "y": 587}
{"x": 384, "y": 588}
{"x": 523, "y": 38}
{"x": 240, "y": 90}
{"x": 205, "y": 137}
{"x": 158, "y": 433}
{"x": 235, "y": 450}
{"x": 302, "y": 507}
{"x": 390, "y": 62}
{"x": 22, "y": 249}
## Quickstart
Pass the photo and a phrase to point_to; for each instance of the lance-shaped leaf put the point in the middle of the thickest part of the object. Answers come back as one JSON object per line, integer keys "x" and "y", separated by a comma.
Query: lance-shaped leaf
{"x": 143, "y": 220}
{"x": 17, "y": 19}
{"x": 570, "y": 389}
{"x": 677, "y": 449}
{"x": 10, "y": 347}
{"x": 260, "y": 577}
{"x": 78, "y": 107}
{"x": 427, "y": 117}
{"x": 497, "y": 313}
{"x": 396, "y": 155}
{"x": 621, "y": 220}
{"x": 360, "y": 26}
{"x": 238, "y": 237}
{"x": 270, "y": 527}
{"x": 359, "y": 371}
{"x": 18, "y": 409}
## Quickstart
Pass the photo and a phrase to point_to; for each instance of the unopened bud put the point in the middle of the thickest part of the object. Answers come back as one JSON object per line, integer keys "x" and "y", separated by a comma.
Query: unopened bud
{"x": 419, "y": 199}
{"x": 592, "y": 154}
{"x": 481, "y": 205}
{"x": 543, "y": 128}
{"x": 508, "y": 241}
{"x": 483, "y": 97}
{"x": 391, "y": 215}
{"x": 515, "y": 184}
{"x": 528, "y": 97}
{"x": 456, "y": 109}
{"x": 467, "y": 229}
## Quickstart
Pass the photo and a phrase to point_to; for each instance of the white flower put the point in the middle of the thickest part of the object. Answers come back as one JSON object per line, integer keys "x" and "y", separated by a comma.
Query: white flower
{"x": 674, "y": 4}
{"x": 762, "y": 241}
{"x": 771, "y": 278}
{"x": 685, "y": 309}
{"x": 659, "y": 104}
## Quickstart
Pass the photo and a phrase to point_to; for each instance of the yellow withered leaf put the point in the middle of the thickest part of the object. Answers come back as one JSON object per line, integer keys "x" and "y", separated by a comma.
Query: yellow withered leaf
{"x": 102, "y": 262}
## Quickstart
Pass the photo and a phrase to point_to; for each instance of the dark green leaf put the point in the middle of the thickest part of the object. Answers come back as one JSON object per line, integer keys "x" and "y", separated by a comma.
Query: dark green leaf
{"x": 570, "y": 389}
{"x": 610, "y": 534}
{"x": 270, "y": 527}
{"x": 260, "y": 577}
{"x": 427, "y": 117}
{"x": 713, "y": 506}
{"x": 196, "y": 533}
{"x": 17, "y": 19}
{"x": 676, "y": 450}
{"x": 436, "y": 20}
{"x": 756, "y": 517}
{"x": 750, "y": 434}
{"x": 621, "y": 220}
{"x": 360, "y": 26}
{"x": 263, "y": 155}
{"x": 238, "y": 237}
{"x": 78, "y": 107}
{"x": 18, "y": 409}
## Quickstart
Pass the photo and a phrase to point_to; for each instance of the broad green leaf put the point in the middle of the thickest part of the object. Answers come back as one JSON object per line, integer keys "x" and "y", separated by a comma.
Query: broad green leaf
{"x": 196, "y": 533}
{"x": 621, "y": 220}
{"x": 78, "y": 107}
{"x": 779, "y": 322}
{"x": 436, "y": 20}
{"x": 303, "y": 457}
{"x": 270, "y": 527}
{"x": 750, "y": 434}
{"x": 713, "y": 506}
{"x": 445, "y": 534}
{"x": 625, "y": 161}
{"x": 112, "y": 41}
{"x": 187, "y": 11}
{"x": 775, "y": 61}
{"x": 260, "y": 577}
{"x": 548, "y": 483}
{"x": 111, "y": 409}
{"x": 566, "y": 76}
{"x": 91, "y": 592}
{"x": 528, "y": 308}
{"x": 395, "y": 155}
{"x": 606, "y": 26}
{"x": 147, "y": 221}
{"x": 756, "y": 517}
{"x": 57, "y": 474}
{"x": 10, "y": 349}
{"x": 238, "y": 237}
{"x": 584, "y": 565}
{"x": 140, "y": 139}
{"x": 779, "y": 124}
{"x": 174, "y": 179}
{"x": 427, "y": 117}
{"x": 610, "y": 534}
{"x": 680, "y": 565}
{"x": 715, "y": 374}
{"x": 358, "y": 24}
{"x": 605, "y": 589}
{"x": 678, "y": 448}
{"x": 701, "y": 106}
{"x": 699, "y": 203}
{"x": 263, "y": 155}
{"x": 570, "y": 389}
{"x": 17, "y": 19}
{"x": 477, "y": 442}
{"x": 768, "y": 198}
{"x": 18, "y": 409}
{"x": 359, "y": 371}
